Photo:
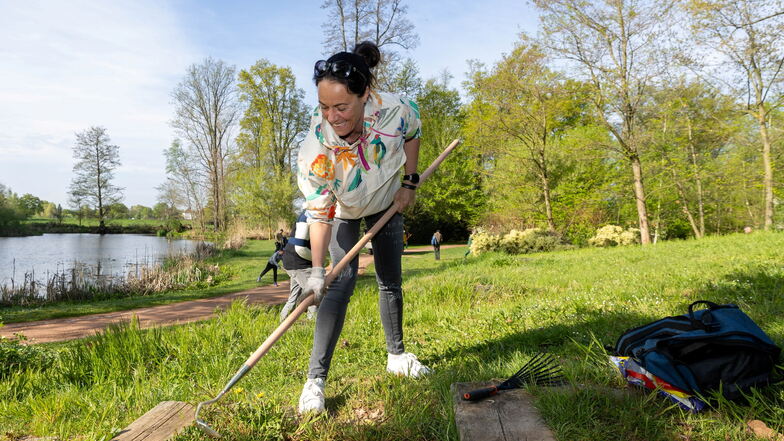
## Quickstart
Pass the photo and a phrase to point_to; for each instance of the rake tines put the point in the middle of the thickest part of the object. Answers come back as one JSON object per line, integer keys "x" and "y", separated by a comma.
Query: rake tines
{"x": 541, "y": 369}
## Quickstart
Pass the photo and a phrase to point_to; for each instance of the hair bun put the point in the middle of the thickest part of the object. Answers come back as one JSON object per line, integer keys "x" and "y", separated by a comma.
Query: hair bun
{"x": 370, "y": 52}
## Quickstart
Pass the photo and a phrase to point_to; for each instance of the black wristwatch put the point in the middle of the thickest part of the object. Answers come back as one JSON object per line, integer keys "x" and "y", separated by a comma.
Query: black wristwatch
{"x": 413, "y": 177}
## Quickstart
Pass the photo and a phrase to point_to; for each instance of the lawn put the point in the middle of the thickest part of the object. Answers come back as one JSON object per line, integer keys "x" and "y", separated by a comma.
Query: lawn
{"x": 469, "y": 319}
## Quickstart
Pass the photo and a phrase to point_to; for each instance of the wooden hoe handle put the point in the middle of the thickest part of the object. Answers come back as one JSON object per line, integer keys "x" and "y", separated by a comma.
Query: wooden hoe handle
{"x": 333, "y": 273}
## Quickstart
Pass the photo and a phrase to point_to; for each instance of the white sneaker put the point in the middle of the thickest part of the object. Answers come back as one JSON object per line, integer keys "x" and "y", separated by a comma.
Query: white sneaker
{"x": 406, "y": 364}
{"x": 312, "y": 398}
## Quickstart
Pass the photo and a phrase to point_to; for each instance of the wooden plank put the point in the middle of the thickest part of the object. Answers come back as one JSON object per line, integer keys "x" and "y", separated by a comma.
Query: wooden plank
{"x": 161, "y": 423}
{"x": 508, "y": 416}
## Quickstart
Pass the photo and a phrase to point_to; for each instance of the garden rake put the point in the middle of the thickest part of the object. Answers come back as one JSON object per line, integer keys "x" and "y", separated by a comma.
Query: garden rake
{"x": 542, "y": 370}
{"x": 286, "y": 324}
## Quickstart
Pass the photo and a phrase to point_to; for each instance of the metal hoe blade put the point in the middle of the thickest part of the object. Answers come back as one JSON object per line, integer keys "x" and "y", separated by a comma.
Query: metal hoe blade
{"x": 200, "y": 423}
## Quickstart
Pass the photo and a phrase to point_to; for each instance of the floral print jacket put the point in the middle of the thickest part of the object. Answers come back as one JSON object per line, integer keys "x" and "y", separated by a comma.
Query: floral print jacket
{"x": 357, "y": 180}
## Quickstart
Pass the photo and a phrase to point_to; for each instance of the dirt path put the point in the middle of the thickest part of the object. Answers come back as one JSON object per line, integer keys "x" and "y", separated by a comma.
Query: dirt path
{"x": 70, "y": 328}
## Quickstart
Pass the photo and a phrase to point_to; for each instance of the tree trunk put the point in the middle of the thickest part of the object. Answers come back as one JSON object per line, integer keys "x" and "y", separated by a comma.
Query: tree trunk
{"x": 767, "y": 165}
{"x": 547, "y": 204}
{"x": 215, "y": 202}
{"x": 749, "y": 211}
{"x": 101, "y": 226}
{"x": 639, "y": 196}
{"x": 684, "y": 205}
{"x": 697, "y": 182}
{"x": 657, "y": 224}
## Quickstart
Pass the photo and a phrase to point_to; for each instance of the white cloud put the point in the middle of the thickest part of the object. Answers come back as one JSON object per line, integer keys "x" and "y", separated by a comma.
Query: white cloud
{"x": 71, "y": 65}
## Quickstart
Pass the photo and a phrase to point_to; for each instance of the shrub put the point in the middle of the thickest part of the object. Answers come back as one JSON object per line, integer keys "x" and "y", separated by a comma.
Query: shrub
{"x": 483, "y": 241}
{"x": 531, "y": 240}
{"x": 16, "y": 357}
{"x": 612, "y": 235}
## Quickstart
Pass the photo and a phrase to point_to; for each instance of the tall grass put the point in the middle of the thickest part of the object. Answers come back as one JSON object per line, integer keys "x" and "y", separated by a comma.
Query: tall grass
{"x": 470, "y": 319}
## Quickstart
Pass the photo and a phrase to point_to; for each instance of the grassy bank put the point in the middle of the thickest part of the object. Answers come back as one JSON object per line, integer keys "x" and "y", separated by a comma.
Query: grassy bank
{"x": 36, "y": 226}
{"x": 242, "y": 265}
{"x": 471, "y": 320}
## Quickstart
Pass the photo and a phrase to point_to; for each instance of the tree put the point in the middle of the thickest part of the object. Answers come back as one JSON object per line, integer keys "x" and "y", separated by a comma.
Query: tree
{"x": 383, "y": 22}
{"x": 691, "y": 125}
{"x": 747, "y": 37}
{"x": 272, "y": 125}
{"x": 49, "y": 209}
{"x": 452, "y": 198}
{"x": 96, "y": 160}
{"x": 206, "y": 113}
{"x": 405, "y": 80}
{"x": 140, "y": 212}
{"x": 58, "y": 214}
{"x": 10, "y": 213}
{"x": 615, "y": 45}
{"x": 520, "y": 112}
{"x": 118, "y": 210}
{"x": 30, "y": 205}
{"x": 165, "y": 211}
{"x": 77, "y": 203}
{"x": 185, "y": 178}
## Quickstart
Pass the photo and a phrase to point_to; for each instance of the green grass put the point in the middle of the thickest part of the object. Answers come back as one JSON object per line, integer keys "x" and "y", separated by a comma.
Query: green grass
{"x": 243, "y": 265}
{"x": 471, "y": 320}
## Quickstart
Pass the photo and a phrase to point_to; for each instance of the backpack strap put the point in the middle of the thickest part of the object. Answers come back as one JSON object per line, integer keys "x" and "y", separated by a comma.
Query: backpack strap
{"x": 706, "y": 322}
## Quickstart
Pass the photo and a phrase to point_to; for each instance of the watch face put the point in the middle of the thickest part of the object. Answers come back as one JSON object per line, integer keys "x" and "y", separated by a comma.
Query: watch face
{"x": 414, "y": 177}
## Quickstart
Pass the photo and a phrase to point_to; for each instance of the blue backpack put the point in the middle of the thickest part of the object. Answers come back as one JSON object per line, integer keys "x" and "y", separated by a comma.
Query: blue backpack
{"x": 715, "y": 349}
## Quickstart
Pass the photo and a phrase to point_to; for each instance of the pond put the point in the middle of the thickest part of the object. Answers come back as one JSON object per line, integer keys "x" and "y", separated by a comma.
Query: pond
{"x": 108, "y": 255}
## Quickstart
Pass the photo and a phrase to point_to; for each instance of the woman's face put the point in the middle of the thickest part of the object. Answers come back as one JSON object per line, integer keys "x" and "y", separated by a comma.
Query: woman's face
{"x": 343, "y": 109}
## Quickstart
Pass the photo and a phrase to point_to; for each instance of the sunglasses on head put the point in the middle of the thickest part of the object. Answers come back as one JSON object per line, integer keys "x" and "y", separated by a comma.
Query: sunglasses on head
{"x": 339, "y": 69}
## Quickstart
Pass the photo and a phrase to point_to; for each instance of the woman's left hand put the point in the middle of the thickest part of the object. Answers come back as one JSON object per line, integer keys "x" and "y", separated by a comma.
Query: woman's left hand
{"x": 404, "y": 198}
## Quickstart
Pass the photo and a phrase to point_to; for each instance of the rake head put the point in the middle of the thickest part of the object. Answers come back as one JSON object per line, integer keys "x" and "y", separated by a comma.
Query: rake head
{"x": 541, "y": 370}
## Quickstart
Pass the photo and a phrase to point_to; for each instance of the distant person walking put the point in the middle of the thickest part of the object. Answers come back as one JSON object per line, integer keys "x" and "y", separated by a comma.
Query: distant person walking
{"x": 436, "y": 242}
{"x": 297, "y": 261}
{"x": 272, "y": 264}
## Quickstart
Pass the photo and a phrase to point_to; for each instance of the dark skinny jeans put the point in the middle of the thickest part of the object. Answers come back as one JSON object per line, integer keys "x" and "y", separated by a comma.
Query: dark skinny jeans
{"x": 387, "y": 251}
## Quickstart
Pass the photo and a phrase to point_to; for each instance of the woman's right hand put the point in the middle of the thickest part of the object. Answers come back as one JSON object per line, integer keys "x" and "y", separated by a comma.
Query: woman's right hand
{"x": 315, "y": 284}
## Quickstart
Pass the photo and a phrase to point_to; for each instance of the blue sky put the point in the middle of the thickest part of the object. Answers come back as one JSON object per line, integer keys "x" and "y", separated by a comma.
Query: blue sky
{"x": 66, "y": 66}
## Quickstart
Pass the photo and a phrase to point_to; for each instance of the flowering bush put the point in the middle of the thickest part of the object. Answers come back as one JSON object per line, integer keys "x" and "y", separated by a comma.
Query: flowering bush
{"x": 530, "y": 240}
{"x": 483, "y": 241}
{"x": 612, "y": 235}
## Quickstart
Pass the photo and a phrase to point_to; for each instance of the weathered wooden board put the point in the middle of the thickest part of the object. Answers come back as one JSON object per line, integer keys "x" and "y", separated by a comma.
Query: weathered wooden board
{"x": 508, "y": 416}
{"x": 161, "y": 423}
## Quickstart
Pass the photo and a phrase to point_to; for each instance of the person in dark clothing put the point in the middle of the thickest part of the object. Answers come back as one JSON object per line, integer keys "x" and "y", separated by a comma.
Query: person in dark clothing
{"x": 272, "y": 264}
{"x": 280, "y": 240}
{"x": 436, "y": 242}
